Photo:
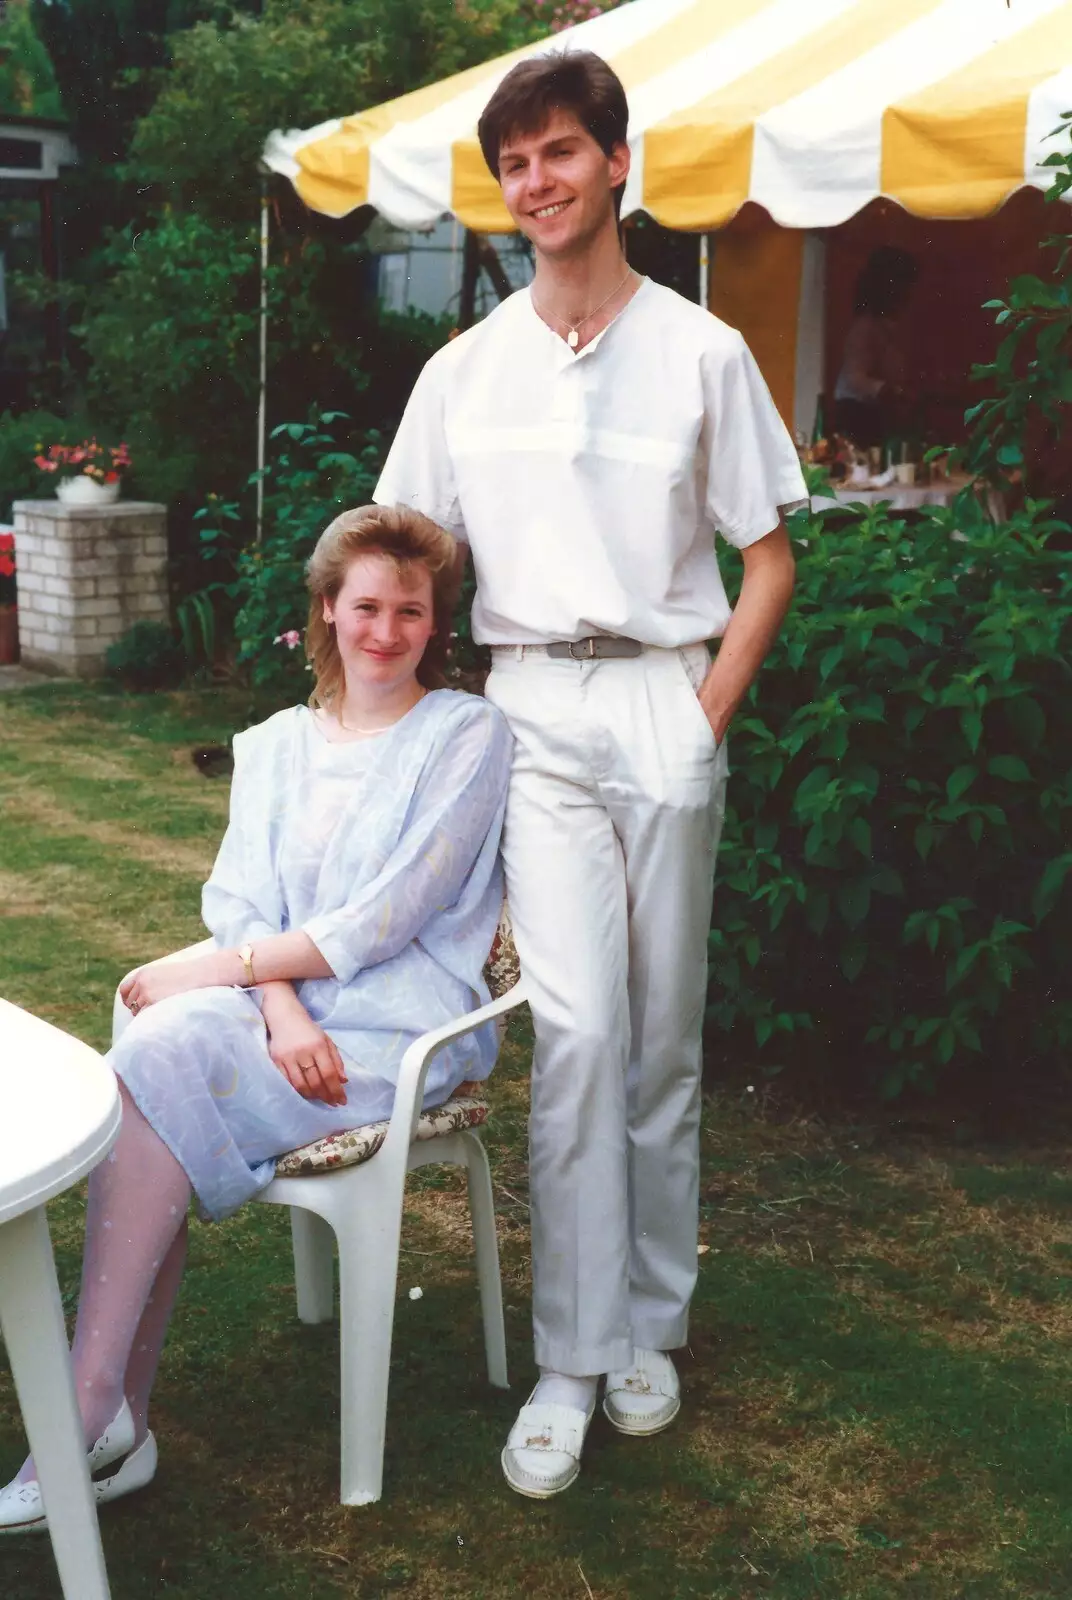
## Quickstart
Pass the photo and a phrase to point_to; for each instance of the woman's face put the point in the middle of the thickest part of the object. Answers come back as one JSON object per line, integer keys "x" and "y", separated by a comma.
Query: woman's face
{"x": 383, "y": 621}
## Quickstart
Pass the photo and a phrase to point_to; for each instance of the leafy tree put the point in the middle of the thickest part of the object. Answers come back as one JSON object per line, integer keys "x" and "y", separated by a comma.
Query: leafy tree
{"x": 27, "y": 81}
{"x": 1021, "y": 428}
{"x": 172, "y": 343}
{"x": 169, "y": 331}
{"x": 555, "y": 16}
{"x": 104, "y": 56}
{"x": 299, "y": 63}
{"x": 183, "y": 97}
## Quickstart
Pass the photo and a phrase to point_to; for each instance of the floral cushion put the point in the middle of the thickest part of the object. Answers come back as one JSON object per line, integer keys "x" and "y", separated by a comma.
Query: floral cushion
{"x": 502, "y": 969}
{"x": 350, "y": 1148}
{"x": 465, "y": 1110}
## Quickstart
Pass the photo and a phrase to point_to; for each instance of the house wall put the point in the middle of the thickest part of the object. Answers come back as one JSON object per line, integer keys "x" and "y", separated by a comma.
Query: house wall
{"x": 423, "y": 271}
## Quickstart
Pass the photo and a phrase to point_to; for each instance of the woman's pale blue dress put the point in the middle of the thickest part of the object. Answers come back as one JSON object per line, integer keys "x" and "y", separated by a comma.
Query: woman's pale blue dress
{"x": 385, "y": 852}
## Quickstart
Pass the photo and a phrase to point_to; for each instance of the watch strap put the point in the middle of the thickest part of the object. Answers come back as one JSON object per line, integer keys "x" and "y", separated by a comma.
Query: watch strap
{"x": 245, "y": 955}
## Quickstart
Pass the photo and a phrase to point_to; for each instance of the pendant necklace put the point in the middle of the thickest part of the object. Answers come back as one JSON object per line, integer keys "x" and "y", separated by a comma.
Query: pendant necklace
{"x": 573, "y": 337}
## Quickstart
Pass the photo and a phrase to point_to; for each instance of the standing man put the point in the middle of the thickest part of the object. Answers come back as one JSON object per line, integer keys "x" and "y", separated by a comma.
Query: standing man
{"x": 586, "y": 442}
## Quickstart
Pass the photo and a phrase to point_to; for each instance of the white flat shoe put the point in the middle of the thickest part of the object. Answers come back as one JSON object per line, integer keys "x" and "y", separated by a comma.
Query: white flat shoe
{"x": 543, "y": 1452}
{"x": 22, "y": 1509}
{"x": 137, "y": 1470}
{"x": 646, "y": 1397}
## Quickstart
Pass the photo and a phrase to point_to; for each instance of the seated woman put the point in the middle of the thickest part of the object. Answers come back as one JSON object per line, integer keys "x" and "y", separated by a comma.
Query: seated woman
{"x": 352, "y": 905}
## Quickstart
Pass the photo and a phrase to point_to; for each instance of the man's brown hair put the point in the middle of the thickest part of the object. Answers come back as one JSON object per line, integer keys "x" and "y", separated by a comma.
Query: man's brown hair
{"x": 576, "y": 81}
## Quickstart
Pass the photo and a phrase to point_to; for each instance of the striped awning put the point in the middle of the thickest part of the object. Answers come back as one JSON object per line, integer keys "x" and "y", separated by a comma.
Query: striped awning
{"x": 811, "y": 108}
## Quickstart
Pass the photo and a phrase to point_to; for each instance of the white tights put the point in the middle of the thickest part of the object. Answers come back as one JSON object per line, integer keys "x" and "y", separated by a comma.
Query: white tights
{"x": 134, "y": 1256}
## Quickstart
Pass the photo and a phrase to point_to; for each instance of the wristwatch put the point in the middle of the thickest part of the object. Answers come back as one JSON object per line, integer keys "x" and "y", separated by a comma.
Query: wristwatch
{"x": 245, "y": 955}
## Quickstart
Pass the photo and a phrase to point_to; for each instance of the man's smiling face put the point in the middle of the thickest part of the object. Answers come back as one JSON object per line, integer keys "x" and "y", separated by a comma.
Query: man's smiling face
{"x": 557, "y": 184}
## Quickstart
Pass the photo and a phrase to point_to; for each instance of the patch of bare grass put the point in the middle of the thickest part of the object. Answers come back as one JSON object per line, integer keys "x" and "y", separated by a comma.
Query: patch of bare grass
{"x": 185, "y": 858}
{"x": 875, "y": 1398}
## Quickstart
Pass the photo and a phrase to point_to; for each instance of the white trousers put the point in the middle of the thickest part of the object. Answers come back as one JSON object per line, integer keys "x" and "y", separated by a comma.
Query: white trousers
{"x": 616, "y": 802}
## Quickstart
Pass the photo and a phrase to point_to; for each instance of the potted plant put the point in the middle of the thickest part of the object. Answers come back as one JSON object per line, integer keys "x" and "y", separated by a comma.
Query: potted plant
{"x": 86, "y": 474}
{"x": 9, "y": 614}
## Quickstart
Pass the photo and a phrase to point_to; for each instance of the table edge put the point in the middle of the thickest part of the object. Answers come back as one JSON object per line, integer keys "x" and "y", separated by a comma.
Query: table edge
{"x": 99, "y": 1142}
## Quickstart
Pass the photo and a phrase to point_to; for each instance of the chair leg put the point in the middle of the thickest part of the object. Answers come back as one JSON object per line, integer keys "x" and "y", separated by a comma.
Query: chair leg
{"x": 314, "y": 1261}
{"x": 368, "y": 1277}
{"x": 486, "y": 1247}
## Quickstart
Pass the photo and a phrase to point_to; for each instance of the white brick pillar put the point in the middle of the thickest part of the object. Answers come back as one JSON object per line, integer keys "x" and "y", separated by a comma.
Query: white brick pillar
{"x": 84, "y": 575}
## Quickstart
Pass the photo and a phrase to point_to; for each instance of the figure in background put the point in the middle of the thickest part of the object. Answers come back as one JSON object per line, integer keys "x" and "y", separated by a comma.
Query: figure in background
{"x": 871, "y": 399}
{"x": 352, "y": 904}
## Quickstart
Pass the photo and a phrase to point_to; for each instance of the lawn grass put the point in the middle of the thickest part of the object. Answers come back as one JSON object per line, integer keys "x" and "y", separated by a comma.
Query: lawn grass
{"x": 877, "y": 1388}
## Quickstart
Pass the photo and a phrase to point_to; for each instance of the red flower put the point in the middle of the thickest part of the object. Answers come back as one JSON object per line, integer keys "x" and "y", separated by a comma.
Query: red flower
{"x": 7, "y": 567}
{"x": 90, "y": 457}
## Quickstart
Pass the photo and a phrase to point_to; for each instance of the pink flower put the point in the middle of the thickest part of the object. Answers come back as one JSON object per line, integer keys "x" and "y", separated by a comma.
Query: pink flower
{"x": 292, "y": 638}
{"x": 104, "y": 463}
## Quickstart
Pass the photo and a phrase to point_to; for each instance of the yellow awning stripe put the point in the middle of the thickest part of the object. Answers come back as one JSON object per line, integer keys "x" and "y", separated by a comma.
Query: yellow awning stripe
{"x": 698, "y": 163}
{"x": 335, "y": 170}
{"x": 334, "y": 175}
{"x": 958, "y": 148}
{"x": 475, "y": 197}
{"x": 811, "y": 109}
{"x": 702, "y": 25}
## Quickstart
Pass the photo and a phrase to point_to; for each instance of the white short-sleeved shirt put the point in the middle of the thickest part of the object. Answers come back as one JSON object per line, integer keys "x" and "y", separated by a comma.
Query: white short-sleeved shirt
{"x": 590, "y": 486}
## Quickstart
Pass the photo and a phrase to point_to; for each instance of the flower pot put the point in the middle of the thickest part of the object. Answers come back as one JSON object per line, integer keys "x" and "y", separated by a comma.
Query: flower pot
{"x": 84, "y": 491}
{"x": 9, "y": 635}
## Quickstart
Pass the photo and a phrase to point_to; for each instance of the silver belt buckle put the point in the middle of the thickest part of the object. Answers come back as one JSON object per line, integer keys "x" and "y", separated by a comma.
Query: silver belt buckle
{"x": 586, "y": 655}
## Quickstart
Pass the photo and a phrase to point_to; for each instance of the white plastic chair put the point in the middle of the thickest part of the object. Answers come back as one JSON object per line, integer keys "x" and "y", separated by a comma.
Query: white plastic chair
{"x": 359, "y": 1208}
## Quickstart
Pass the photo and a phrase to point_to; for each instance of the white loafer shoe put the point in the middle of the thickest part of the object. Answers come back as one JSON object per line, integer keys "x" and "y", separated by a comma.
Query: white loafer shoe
{"x": 22, "y": 1509}
{"x": 646, "y": 1397}
{"x": 137, "y": 1470}
{"x": 543, "y": 1452}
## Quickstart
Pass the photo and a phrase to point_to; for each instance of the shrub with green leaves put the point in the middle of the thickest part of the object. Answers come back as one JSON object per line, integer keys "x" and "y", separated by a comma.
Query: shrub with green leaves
{"x": 892, "y": 887}
{"x": 20, "y": 439}
{"x": 310, "y": 480}
{"x": 146, "y": 657}
{"x": 1021, "y": 425}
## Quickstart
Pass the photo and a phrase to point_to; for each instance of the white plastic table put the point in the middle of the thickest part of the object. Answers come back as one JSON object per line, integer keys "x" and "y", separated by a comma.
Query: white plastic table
{"x": 59, "y": 1116}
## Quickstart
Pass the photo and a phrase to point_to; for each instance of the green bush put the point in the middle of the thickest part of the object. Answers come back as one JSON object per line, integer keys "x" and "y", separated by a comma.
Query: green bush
{"x": 310, "y": 480}
{"x": 891, "y": 892}
{"x": 1018, "y": 429}
{"x": 147, "y": 656}
{"x": 20, "y": 438}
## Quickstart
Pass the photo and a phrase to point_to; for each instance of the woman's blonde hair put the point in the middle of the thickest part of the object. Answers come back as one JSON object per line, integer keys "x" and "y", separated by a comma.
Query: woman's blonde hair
{"x": 407, "y": 540}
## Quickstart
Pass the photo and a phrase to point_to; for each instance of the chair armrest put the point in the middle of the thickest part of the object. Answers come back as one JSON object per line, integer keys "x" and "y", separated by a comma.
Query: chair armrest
{"x": 409, "y": 1094}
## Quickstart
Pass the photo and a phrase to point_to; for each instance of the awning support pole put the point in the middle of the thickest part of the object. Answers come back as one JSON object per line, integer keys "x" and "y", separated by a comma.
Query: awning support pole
{"x": 262, "y": 400}
{"x": 705, "y": 270}
{"x": 470, "y": 274}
